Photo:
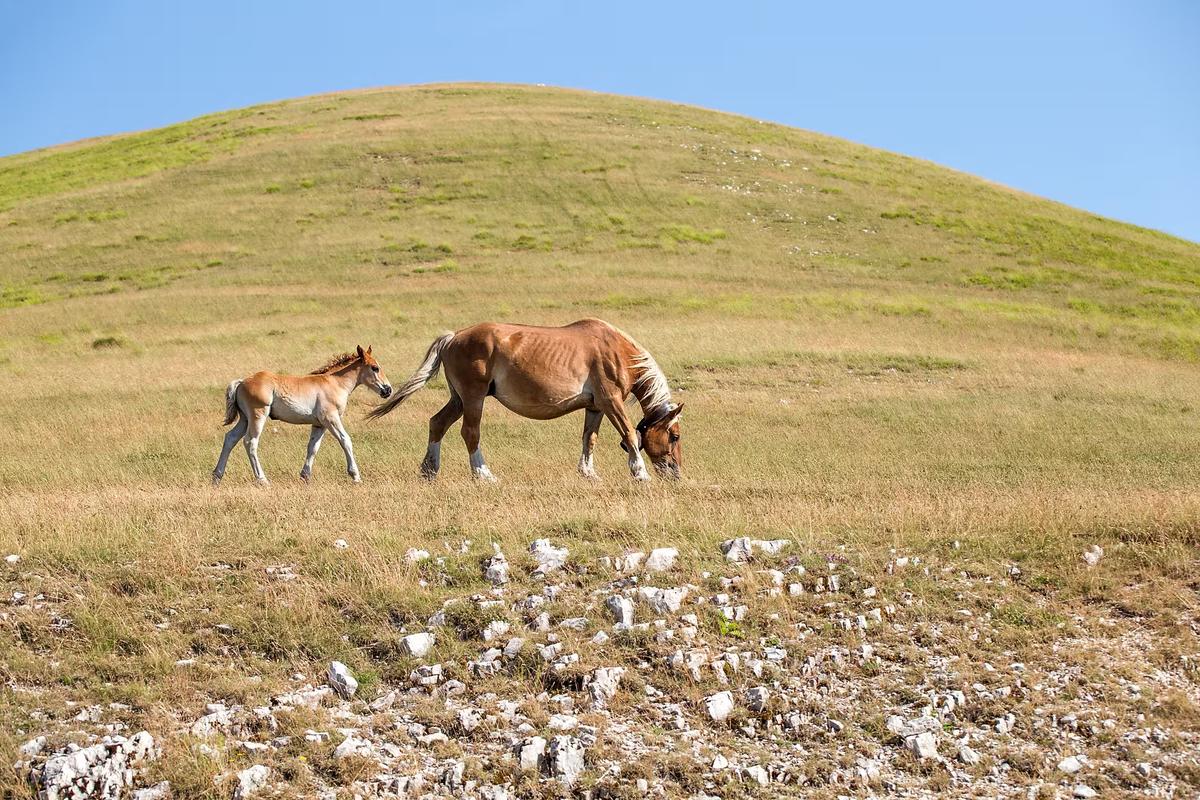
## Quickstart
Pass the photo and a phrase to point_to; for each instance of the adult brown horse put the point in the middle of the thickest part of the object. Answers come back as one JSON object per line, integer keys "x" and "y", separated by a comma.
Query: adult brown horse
{"x": 544, "y": 373}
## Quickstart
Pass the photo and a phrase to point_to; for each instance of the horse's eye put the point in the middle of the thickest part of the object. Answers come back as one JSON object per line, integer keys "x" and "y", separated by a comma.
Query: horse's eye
{"x": 674, "y": 437}
{"x": 374, "y": 368}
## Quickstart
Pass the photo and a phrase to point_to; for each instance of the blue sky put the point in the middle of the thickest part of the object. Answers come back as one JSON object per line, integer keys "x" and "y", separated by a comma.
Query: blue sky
{"x": 1096, "y": 104}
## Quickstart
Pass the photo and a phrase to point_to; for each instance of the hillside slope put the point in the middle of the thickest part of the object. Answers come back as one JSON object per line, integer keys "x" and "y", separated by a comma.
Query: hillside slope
{"x": 882, "y": 360}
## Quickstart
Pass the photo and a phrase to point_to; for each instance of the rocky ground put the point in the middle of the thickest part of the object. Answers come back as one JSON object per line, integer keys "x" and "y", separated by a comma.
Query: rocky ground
{"x": 780, "y": 673}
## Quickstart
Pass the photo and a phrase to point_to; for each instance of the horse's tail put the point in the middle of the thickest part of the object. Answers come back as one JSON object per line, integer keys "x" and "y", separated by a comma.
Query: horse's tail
{"x": 424, "y": 374}
{"x": 231, "y": 406}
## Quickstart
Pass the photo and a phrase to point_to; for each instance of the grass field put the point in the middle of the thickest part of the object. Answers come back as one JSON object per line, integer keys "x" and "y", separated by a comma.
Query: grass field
{"x": 876, "y": 353}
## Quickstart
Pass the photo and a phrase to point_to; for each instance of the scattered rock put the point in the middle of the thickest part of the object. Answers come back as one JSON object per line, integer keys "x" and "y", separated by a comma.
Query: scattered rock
{"x": 621, "y": 609}
{"x": 105, "y": 771}
{"x": 923, "y": 746}
{"x": 1092, "y": 556}
{"x": 340, "y": 544}
{"x": 341, "y": 680}
{"x": 548, "y": 557}
{"x": 417, "y": 645}
{"x": 662, "y": 559}
{"x": 250, "y": 781}
{"x": 529, "y": 752}
{"x": 565, "y": 759}
{"x": 719, "y": 706}
{"x": 495, "y": 569}
{"x": 604, "y": 685}
{"x": 413, "y": 555}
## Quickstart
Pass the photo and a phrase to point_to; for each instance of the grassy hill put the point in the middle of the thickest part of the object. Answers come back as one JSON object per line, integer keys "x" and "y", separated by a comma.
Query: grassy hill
{"x": 876, "y": 353}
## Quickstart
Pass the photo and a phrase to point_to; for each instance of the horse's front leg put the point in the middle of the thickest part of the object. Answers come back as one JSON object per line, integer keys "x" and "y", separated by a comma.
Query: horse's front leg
{"x": 615, "y": 411}
{"x": 591, "y": 429}
{"x": 314, "y": 444}
{"x": 334, "y": 425}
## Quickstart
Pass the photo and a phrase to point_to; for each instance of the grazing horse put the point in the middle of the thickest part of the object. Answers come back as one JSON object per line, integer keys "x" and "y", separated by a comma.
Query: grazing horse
{"x": 544, "y": 373}
{"x": 317, "y": 399}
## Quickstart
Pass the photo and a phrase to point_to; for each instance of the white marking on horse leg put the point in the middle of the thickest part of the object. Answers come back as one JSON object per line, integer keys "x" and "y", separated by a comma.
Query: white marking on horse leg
{"x": 314, "y": 444}
{"x": 433, "y": 461}
{"x": 479, "y": 469}
{"x": 343, "y": 439}
{"x": 585, "y": 467}
{"x": 254, "y": 429}
{"x": 637, "y": 467}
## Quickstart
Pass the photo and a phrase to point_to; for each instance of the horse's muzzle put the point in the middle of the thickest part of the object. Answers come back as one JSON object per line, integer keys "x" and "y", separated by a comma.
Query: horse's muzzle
{"x": 385, "y": 391}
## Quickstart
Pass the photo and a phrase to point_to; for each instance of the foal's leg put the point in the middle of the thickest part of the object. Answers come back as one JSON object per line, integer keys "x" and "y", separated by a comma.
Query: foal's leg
{"x": 472, "y": 416}
{"x": 438, "y": 424}
{"x": 231, "y": 439}
{"x": 591, "y": 429}
{"x": 615, "y": 412}
{"x": 254, "y": 429}
{"x": 335, "y": 427}
{"x": 314, "y": 444}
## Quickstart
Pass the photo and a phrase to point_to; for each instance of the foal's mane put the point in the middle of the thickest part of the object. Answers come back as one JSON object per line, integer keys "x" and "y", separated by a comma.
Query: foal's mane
{"x": 336, "y": 362}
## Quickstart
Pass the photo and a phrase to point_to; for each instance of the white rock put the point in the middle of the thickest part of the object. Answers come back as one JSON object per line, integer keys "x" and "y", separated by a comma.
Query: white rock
{"x": 757, "y": 699}
{"x": 1072, "y": 764}
{"x": 563, "y": 722}
{"x": 1092, "y": 555}
{"x": 548, "y": 557}
{"x": 340, "y": 544}
{"x": 417, "y": 645}
{"x": 33, "y": 747}
{"x": 566, "y": 759}
{"x": 495, "y": 629}
{"x": 737, "y": 549}
{"x": 469, "y": 719}
{"x": 251, "y": 780}
{"x": 661, "y": 559}
{"x": 663, "y": 601}
{"x": 495, "y": 569}
{"x": 341, "y": 680}
{"x": 605, "y": 683}
{"x": 621, "y": 609}
{"x": 968, "y": 756}
{"x": 413, "y": 555}
{"x": 923, "y": 745}
{"x": 353, "y": 746}
{"x": 530, "y": 751}
{"x": 759, "y": 775}
{"x": 12, "y": 558}
{"x": 719, "y": 706}
{"x": 159, "y": 791}
{"x": 1084, "y": 791}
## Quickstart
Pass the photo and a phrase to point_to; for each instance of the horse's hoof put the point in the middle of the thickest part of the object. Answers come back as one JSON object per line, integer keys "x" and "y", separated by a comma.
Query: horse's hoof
{"x": 426, "y": 475}
{"x": 216, "y": 480}
{"x": 642, "y": 478}
{"x": 484, "y": 475}
{"x": 263, "y": 482}
{"x": 355, "y": 479}
{"x": 304, "y": 476}
{"x": 590, "y": 476}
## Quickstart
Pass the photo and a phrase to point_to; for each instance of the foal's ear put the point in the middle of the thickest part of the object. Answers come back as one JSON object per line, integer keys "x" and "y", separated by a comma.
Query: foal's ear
{"x": 360, "y": 351}
{"x": 674, "y": 414}
{"x": 368, "y": 349}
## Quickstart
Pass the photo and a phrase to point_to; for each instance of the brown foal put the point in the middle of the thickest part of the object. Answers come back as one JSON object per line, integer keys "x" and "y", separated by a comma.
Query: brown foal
{"x": 317, "y": 399}
{"x": 544, "y": 373}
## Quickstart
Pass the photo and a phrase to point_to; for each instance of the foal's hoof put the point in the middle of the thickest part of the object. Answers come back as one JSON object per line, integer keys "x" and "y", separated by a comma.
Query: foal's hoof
{"x": 263, "y": 482}
{"x": 304, "y": 476}
{"x": 590, "y": 476}
{"x": 355, "y": 479}
{"x": 216, "y": 479}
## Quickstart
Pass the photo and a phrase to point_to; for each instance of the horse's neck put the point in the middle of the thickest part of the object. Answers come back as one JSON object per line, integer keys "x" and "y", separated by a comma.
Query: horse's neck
{"x": 346, "y": 380}
{"x": 643, "y": 392}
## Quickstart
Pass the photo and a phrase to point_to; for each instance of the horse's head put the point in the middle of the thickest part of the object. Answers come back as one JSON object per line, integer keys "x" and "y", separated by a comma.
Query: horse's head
{"x": 659, "y": 437}
{"x": 371, "y": 373}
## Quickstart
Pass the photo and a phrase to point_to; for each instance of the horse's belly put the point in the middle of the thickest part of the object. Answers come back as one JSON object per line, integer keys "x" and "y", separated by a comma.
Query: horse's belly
{"x": 286, "y": 409}
{"x": 524, "y": 394}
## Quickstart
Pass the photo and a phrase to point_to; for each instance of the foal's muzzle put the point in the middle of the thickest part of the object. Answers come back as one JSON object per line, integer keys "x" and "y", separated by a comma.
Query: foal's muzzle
{"x": 385, "y": 391}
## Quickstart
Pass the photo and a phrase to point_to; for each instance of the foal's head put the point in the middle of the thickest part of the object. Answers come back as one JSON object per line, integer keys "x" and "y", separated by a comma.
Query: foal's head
{"x": 370, "y": 373}
{"x": 659, "y": 437}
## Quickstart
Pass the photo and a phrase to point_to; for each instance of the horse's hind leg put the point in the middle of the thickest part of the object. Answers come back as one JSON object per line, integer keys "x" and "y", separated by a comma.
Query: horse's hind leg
{"x": 231, "y": 439}
{"x": 591, "y": 429}
{"x": 314, "y": 444}
{"x": 472, "y": 417}
{"x": 254, "y": 429}
{"x": 438, "y": 424}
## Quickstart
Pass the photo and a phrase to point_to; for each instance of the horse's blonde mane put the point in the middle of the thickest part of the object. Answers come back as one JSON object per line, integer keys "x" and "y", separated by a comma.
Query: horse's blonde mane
{"x": 338, "y": 361}
{"x": 649, "y": 383}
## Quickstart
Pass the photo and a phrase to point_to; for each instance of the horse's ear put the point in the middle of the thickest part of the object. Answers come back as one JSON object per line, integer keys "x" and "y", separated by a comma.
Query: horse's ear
{"x": 360, "y": 351}
{"x": 675, "y": 412}
{"x": 368, "y": 349}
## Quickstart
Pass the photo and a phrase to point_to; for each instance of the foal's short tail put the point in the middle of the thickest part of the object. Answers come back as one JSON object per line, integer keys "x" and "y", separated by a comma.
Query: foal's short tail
{"x": 231, "y": 406}
{"x": 424, "y": 374}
